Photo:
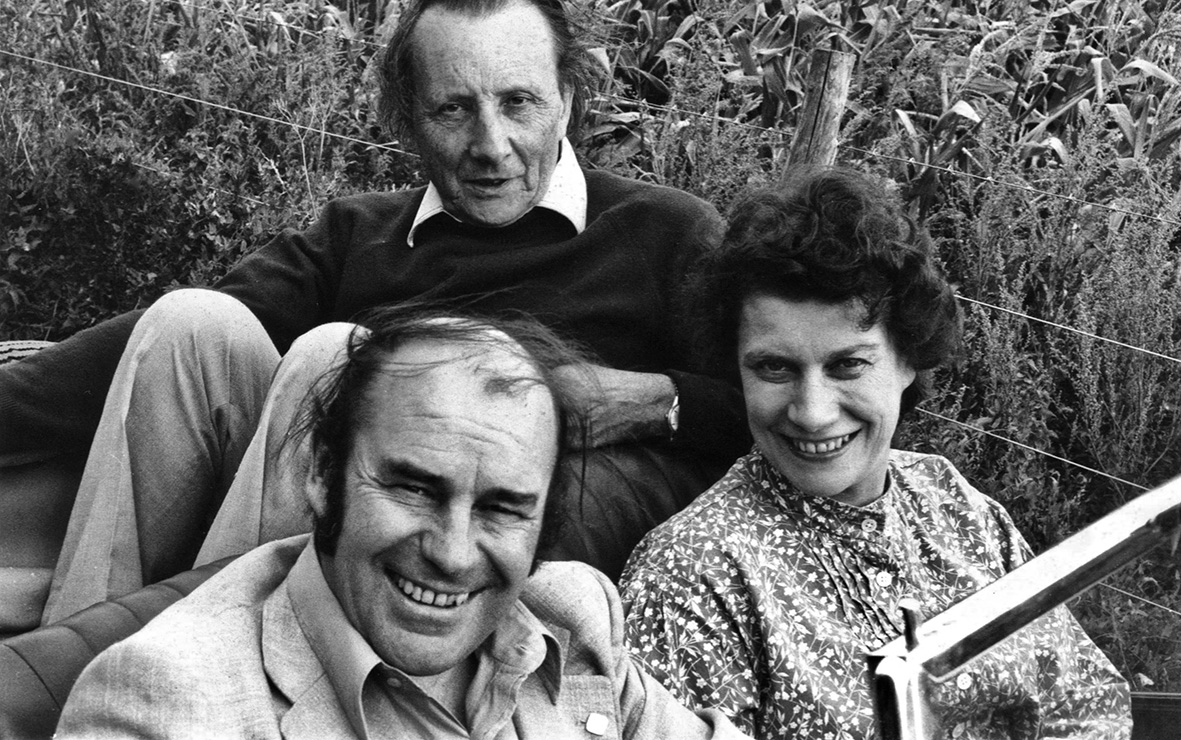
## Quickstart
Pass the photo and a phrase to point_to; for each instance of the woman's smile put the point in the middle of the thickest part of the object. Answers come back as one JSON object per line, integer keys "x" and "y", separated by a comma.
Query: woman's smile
{"x": 821, "y": 447}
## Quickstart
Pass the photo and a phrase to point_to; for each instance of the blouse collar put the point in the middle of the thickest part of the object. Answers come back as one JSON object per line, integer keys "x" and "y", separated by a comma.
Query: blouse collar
{"x": 870, "y": 526}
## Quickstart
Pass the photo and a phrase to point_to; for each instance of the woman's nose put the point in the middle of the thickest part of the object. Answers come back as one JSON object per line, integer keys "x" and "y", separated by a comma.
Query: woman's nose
{"x": 813, "y": 405}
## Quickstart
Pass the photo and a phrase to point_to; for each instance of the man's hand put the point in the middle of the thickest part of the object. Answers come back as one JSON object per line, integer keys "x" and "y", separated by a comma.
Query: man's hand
{"x": 619, "y": 405}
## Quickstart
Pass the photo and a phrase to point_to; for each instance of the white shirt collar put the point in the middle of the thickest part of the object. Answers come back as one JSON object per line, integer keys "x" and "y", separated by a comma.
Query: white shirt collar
{"x": 566, "y": 195}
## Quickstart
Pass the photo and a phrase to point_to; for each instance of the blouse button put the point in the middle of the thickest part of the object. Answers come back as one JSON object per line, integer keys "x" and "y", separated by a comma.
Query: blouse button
{"x": 869, "y": 526}
{"x": 964, "y": 681}
{"x": 883, "y": 579}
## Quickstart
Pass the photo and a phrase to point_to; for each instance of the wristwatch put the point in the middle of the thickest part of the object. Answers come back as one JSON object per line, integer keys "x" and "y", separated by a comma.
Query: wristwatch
{"x": 673, "y": 416}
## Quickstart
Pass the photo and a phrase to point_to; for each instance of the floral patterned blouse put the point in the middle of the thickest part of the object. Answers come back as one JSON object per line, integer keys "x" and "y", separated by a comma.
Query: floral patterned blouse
{"x": 762, "y": 601}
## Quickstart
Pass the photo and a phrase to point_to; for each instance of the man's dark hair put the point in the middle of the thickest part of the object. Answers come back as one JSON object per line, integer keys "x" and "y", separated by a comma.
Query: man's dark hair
{"x": 577, "y": 69}
{"x": 830, "y": 235}
{"x": 335, "y": 407}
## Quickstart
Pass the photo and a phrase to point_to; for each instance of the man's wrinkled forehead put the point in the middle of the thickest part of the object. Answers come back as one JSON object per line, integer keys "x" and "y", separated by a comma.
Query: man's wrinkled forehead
{"x": 500, "y": 365}
{"x": 439, "y": 17}
{"x": 482, "y": 386}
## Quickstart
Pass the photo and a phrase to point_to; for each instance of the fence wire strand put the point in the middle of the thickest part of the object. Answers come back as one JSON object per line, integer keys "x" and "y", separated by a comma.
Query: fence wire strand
{"x": 1141, "y": 599}
{"x": 211, "y": 104}
{"x": 1065, "y": 327}
{"x": 386, "y": 147}
{"x": 1024, "y": 446}
{"x": 1035, "y": 450}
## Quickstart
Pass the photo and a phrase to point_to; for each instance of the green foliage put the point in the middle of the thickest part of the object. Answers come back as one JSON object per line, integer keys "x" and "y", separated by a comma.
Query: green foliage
{"x": 999, "y": 119}
{"x": 112, "y": 194}
{"x": 992, "y": 117}
{"x": 1104, "y": 406}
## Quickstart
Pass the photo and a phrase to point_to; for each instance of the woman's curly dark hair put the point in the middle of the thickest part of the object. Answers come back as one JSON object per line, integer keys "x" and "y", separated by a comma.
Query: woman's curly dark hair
{"x": 831, "y": 235}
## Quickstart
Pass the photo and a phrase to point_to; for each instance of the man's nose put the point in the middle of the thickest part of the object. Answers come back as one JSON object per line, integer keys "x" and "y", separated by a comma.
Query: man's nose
{"x": 813, "y": 405}
{"x": 449, "y": 543}
{"x": 490, "y": 136}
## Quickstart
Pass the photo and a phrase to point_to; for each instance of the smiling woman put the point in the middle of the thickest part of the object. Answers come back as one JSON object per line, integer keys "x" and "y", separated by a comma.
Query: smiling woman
{"x": 763, "y": 596}
{"x": 822, "y": 394}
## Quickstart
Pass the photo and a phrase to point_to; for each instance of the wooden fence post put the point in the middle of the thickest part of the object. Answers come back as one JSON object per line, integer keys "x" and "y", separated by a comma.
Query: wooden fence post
{"x": 825, "y": 91}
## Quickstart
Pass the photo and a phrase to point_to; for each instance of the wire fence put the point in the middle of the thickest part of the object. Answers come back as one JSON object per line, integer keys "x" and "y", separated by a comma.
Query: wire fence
{"x": 275, "y": 21}
{"x": 718, "y": 119}
{"x": 713, "y": 118}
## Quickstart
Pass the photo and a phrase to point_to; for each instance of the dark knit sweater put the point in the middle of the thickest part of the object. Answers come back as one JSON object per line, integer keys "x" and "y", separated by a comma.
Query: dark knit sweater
{"x": 611, "y": 287}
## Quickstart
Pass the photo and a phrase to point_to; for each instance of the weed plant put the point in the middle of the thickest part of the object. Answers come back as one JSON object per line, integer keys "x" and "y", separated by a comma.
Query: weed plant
{"x": 113, "y": 194}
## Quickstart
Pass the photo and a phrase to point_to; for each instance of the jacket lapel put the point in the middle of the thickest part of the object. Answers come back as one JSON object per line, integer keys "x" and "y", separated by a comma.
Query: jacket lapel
{"x": 298, "y": 675}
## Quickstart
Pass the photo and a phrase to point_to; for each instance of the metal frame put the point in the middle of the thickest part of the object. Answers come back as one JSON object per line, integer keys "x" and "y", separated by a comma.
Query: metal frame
{"x": 902, "y": 671}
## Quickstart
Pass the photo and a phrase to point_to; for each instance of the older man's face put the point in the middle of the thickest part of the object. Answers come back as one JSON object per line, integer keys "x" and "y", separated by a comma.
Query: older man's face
{"x": 490, "y": 114}
{"x": 443, "y": 499}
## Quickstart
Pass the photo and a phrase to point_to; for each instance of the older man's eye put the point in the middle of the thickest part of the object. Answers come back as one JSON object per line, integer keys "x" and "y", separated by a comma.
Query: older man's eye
{"x": 517, "y": 105}
{"x": 450, "y": 110}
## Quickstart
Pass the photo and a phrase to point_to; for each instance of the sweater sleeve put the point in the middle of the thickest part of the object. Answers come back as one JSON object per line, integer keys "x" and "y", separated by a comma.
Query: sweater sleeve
{"x": 713, "y": 419}
{"x": 291, "y": 283}
{"x": 50, "y": 402}
{"x": 713, "y": 416}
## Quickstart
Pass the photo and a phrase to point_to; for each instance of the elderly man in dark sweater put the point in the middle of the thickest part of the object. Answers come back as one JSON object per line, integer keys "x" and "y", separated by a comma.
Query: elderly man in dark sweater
{"x": 486, "y": 92}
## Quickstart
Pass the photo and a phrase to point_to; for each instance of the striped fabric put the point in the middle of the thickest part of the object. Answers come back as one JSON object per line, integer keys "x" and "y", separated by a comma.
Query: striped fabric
{"x": 17, "y": 349}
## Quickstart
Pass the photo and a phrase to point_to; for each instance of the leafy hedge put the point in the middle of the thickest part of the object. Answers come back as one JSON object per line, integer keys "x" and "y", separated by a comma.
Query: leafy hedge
{"x": 1000, "y": 121}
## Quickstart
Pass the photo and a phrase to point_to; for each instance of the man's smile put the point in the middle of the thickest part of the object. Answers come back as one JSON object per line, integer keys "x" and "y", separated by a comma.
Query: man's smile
{"x": 423, "y": 595}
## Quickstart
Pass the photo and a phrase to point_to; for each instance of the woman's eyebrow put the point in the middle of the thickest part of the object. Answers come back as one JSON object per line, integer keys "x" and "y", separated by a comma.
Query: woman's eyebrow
{"x": 863, "y": 347}
{"x": 839, "y": 352}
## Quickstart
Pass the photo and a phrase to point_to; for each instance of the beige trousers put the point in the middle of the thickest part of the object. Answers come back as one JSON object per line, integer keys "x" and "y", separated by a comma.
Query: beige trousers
{"x": 179, "y": 414}
{"x": 267, "y": 500}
